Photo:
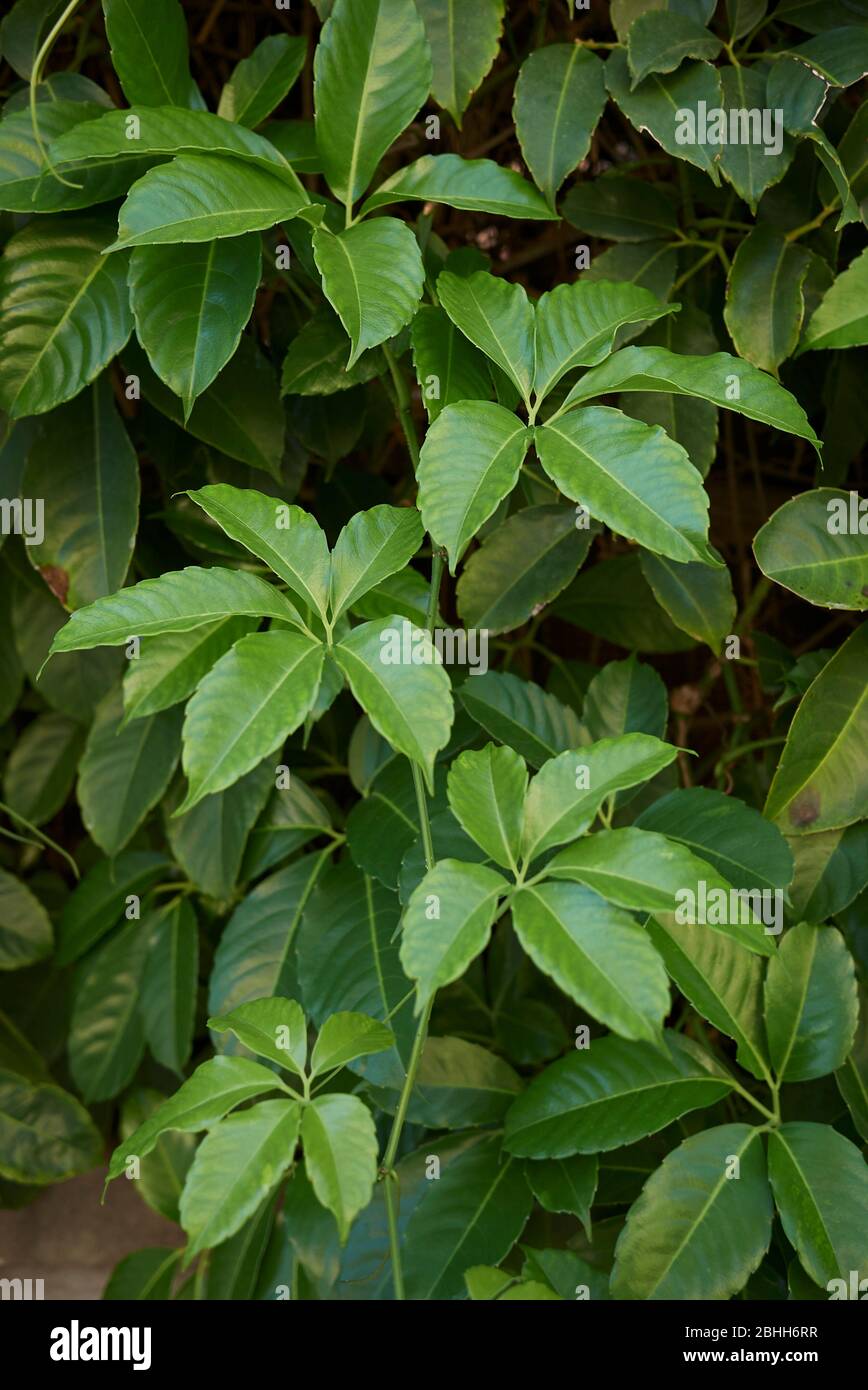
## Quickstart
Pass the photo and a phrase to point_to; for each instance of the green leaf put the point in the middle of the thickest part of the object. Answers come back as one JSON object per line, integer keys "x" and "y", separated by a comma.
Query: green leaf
{"x": 620, "y": 209}
{"x": 22, "y": 163}
{"x": 455, "y": 502}
{"x": 457, "y": 1084}
{"x": 340, "y": 1155}
{"x": 272, "y": 1028}
{"x": 744, "y": 15}
{"x": 46, "y": 1135}
{"x": 208, "y": 842}
{"x": 448, "y": 367}
{"x": 625, "y": 697}
{"x": 146, "y": 1275}
{"x": 476, "y": 185}
{"x": 476, "y": 1211}
{"x": 149, "y": 50}
{"x": 162, "y": 1172}
{"x": 168, "y": 1001}
{"x": 86, "y": 470}
{"x": 631, "y": 476}
{"x": 559, "y": 98}
{"x": 840, "y": 56}
{"x": 260, "y": 82}
{"x": 346, "y": 1036}
{"x": 124, "y": 771}
{"x": 611, "y": 1094}
{"x": 210, "y": 1093}
{"x": 97, "y": 903}
{"x": 831, "y": 870}
{"x": 565, "y": 1185}
{"x": 613, "y": 600}
{"x": 727, "y": 381}
{"x": 811, "y": 547}
{"x": 576, "y": 325}
{"x": 41, "y": 767}
{"x": 821, "y": 1189}
{"x": 315, "y": 364}
{"x": 464, "y": 37}
{"x": 697, "y": 1231}
{"x": 596, "y": 954}
{"x": 372, "y": 546}
{"x": 25, "y": 928}
{"x": 852, "y": 1077}
{"x": 236, "y": 1167}
{"x": 660, "y": 40}
{"x": 744, "y": 847}
{"x": 372, "y": 72}
{"x": 175, "y": 602}
{"x": 447, "y": 923}
{"x": 568, "y": 791}
{"x": 811, "y": 1003}
{"x": 373, "y": 278}
{"x": 286, "y": 538}
{"x": 699, "y": 600}
{"x": 23, "y": 31}
{"x": 106, "y": 1034}
{"x": 667, "y": 106}
{"x": 211, "y": 289}
{"x": 486, "y": 792}
{"x": 65, "y": 313}
{"x": 765, "y": 303}
{"x": 495, "y": 315}
{"x": 840, "y": 320}
{"x": 169, "y": 667}
{"x": 409, "y": 703}
{"x": 820, "y": 782}
{"x": 521, "y": 715}
{"x": 752, "y": 165}
{"x": 198, "y": 197}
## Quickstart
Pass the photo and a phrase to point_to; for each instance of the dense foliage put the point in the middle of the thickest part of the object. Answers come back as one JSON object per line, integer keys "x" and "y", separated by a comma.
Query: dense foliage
{"x": 435, "y": 790}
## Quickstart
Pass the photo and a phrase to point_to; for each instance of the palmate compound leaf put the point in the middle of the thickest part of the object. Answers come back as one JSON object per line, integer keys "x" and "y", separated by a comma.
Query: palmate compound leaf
{"x": 470, "y": 461}
{"x": 396, "y": 674}
{"x": 238, "y": 1164}
{"x": 191, "y": 303}
{"x": 344, "y": 1037}
{"x": 811, "y": 1003}
{"x": 559, "y": 98}
{"x": 596, "y": 953}
{"x": 372, "y": 72}
{"x": 725, "y": 380}
{"x": 495, "y": 315}
{"x": 486, "y": 792}
{"x": 811, "y": 546}
{"x": 270, "y": 1028}
{"x": 372, "y": 546}
{"x": 211, "y": 1092}
{"x": 247, "y": 705}
{"x": 170, "y": 666}
{"x": 612, "y": 1094}
{"x": 65, "y": 313}
{"x": 476, "y": 185}
{"x": 448, "y": 922}
{"x": 373, "y": 277}
{"x": 176, "y": 602}
{"x": 697, "y": 1232}
{"x": 631, "y": 476}
{"x": 340, "y": 1155}
{"x": 463, "y": 36}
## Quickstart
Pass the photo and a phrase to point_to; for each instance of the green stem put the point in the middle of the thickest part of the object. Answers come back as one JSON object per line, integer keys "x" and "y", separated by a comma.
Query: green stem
{"x": 733, "y": 754}
{"x": 36, "y": 78}
{"x": 403, "y": 404}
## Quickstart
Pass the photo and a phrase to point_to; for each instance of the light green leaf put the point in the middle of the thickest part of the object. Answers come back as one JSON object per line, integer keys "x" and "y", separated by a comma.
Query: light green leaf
{"x": 211, "y": 289}
{"x": 65, "y": 313}
{"x": 448, "y": 367}
{"x": 169, "y": 984}
{"x": 559, "y": 98}
{"x": 476, "y": 185}
{"x": 821, "y": 782}
{"x": 236, "y": 1167}
{"x": 660, "y": 40}
{"x": 490, "y": 444}
{"x": 260, "y": 82}
{"x": 576, "y": 325}
{"x": 373, "y": 278}
{"x": 464, "y": 36}
{"x": 340, "y": 1155}
{"x": 631, "y": 476}
{"x": 820, "y": 1184}
{"x": 486, "y": 792}
{"x": 447, "y": 922}
{"x": 46, "y": 1135}
{"x": 495, "y": 315}
{"x": 695, "y": 1233}
{"x": 272, "y": 1028}
{"x": 372, "y": 546}
{"x": 699, "y": 600}
{"x": 595, "y": 953}
{"x": 840, "y": 321}
{"x": 612, "y": 1094}
{"x": 246, "y": 707}
{"x": 811, "y": 546}
{"x": 372, "y": 72}
{"x": 169, "y": 667}
{"x": 727, "y": 381}
{"x": 811, "y": 1003}
{"x": 345, "y": 1037}
{"x": 125, "y": 770}
{"x": 175, "y": 602}
{"x": 287, "y": 538}
{"x": 25, "y": 928}
{"x": 410, "y": 704}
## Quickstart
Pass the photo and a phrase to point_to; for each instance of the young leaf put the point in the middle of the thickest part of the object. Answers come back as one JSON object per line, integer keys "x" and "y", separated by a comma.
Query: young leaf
{"x": 811, "y": 1003}
{"x": 495, "y": 315}
{"x": 372, "y": 546}
{"x": 149, "y": 50}
{"x": 821, "y": 1191}
{"x": 464, "y": 36}
{"x": 272, "y": 1028}
{"x": 809, "y": 546}
{"x": 345, "y": 1037}
{"x": 447, "y": 923}
{"x": 373, "y": 277}
{"x": 840, "y": 320}
{"x": 486, "y": 792}
{"x": 340, "y": 1155}
{"x": 559, "y": 98}
{"x": 259, "y": 83}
